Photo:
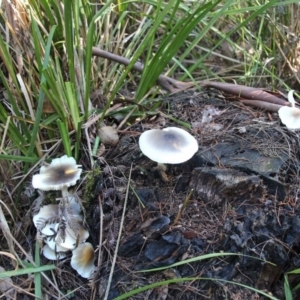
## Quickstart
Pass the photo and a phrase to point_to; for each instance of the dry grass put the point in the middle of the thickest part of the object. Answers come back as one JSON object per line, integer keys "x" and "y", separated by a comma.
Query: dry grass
{"x": 264, "y": 52}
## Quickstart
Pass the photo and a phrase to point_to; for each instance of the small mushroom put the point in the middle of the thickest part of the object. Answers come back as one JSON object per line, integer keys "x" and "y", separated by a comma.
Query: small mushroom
{"x": 290, "y": 116}
{"x": 68, "y": 239}
{"x": 46, "y": 213}
{"x": 51, "y": 254}
{"x": 59, "y": 175}
{"x": 64, "y": 236}
{"x": 170, "y": 145}
{"x": 49, "y": 229}
{"x": 82, "y": 260}
{"x": 53, "y": 246}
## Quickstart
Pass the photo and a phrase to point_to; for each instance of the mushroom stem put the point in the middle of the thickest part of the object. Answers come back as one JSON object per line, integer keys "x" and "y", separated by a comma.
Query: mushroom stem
{"x": 65, "y": 192}
{"x": 162, "y": 168}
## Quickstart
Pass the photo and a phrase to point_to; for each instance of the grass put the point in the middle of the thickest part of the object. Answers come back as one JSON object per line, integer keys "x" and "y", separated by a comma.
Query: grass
{"x": 61, "y": 72}
{"x": 48, "y": 71}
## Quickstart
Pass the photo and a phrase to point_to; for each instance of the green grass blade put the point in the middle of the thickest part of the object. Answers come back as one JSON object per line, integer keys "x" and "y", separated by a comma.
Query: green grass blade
{"x": 180, "y": 280}
{"x": 69, "y": 38}
{"x": 199, "y": 258}
{"x": 27, "y": 271}
{"x": 26, "y": 159}
{"x": 88, "y": 56}
{"x": 64, "y": 133}
{"x": 39, "y": 109}
{"x": 287, "y": 289}
{"x": 78, "y": 142}
{"x": 37, "y": 276}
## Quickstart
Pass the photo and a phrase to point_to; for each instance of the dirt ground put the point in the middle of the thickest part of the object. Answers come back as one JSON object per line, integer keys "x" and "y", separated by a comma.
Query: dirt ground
{"x": 241, "y": 196}
{"x": 245, "y": 183}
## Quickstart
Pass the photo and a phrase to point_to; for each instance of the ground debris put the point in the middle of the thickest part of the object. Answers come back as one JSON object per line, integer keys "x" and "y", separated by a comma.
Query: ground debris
{"x": 212, "y": 185}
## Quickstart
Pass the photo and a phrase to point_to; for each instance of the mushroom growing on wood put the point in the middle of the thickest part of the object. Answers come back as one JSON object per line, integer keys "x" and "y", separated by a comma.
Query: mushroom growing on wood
{"x": 170, "y": 145}
{"x": 290, "y": 116}
{"x": 59, "y": 175}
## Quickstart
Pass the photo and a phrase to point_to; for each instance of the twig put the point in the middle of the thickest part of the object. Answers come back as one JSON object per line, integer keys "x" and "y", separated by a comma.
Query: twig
{"x": 246, "y": 92}
{"x": 166, "y": 82}
{"x": 252, "y": 96}
{"x": 262, "y": 104}
{"x": 185, "y": 203}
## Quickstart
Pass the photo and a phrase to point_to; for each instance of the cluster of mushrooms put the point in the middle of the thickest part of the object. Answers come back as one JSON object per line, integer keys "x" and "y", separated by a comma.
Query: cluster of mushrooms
{"x": 60, "y": 227}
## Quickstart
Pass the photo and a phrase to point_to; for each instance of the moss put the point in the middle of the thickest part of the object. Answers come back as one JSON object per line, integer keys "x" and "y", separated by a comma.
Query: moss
{"x": 90, "y": 185}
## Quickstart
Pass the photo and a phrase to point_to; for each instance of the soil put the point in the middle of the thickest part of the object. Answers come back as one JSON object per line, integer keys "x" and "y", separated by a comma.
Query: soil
{"x": 240, "y": 195}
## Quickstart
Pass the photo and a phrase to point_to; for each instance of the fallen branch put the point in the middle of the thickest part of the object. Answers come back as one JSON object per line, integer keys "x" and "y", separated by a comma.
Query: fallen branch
{"x": 242, "y": 91}
{"x": 261, "y": 104}
{"x": 248, "y": 95}
{"x": 167, "y": 83}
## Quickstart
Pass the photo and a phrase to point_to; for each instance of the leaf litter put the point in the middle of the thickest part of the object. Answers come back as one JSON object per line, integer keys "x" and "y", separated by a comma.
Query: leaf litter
{"x": 245, "y": 180}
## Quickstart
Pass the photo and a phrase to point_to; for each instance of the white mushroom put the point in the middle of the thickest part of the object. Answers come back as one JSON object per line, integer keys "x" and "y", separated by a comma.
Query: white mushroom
{"x": 52, "y": 255}
{"x": 46, "y": 213}
{"x": 59, "y": 175}
{"x": 170, "y": 145}
{"x": 290, "y": 116}
{"x": 49, "y": 229}
{"x": 69, "y": 238}
{"x": 83, "y": 260}
{"x": 50, "y": 241}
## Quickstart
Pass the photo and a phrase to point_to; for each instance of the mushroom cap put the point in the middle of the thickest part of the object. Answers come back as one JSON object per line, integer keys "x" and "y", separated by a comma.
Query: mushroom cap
{"x": 51, "y": 254}
{"x": 68, "y": 238}
{"x": 170, "y": 145}
{"x": 290, "y": 117}
{"x": 47, "y": 212}
{"x": 83, "y": 260}
{"x": 49, "y": 229}
{"x": 61, "y": 173}
{"x": 53, "y": 246}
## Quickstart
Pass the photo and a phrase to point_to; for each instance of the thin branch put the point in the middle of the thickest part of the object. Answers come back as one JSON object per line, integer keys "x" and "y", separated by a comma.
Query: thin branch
{"x": 167, "y": 83}
{"x": 248, "y": 95}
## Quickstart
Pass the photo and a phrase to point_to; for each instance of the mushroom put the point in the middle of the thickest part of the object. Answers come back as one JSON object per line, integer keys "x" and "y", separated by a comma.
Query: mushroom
{"x": 50, "y": 241}
{"x": 68, "y": 237}
{"x": 82, "y": 260}
{"x": 51, "y": 254}
{"x": 170, "y": 145}
{"x": 59, "y": 175}
{"x": 61, "y": 233}
{"x": 41, "y": 219}
{"x": 290, "y": 116}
